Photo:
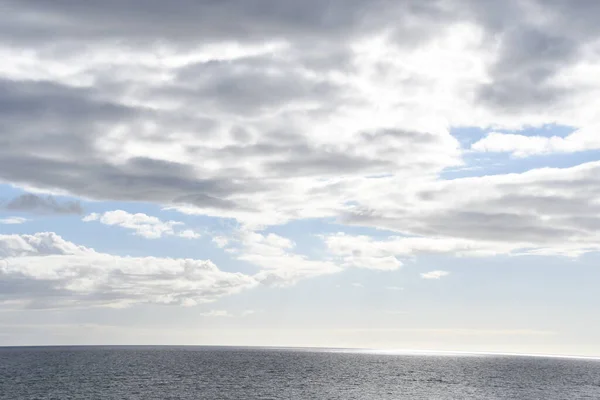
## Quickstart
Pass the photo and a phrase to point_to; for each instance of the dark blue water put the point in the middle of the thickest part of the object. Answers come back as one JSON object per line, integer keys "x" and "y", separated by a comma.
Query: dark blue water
{"x": 236, "y": 373}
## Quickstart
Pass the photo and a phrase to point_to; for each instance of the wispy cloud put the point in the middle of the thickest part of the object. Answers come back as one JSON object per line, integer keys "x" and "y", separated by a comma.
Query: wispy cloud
{"x": 189, "y": 234}
{"x": 434, "y": 274}
{"x": 143, "y": 225}
{"x": 13, "y": 220}
{"x": 229, "y": 314}
{"x": 220, "y": 241}
{"x": 217, "y": 313}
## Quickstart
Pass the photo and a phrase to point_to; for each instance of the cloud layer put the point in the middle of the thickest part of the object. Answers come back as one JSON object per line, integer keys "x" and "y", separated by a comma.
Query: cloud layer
{"x": 272, "y": 112}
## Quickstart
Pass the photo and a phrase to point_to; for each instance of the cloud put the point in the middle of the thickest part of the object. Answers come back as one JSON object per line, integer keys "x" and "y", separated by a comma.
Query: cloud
{"x": 524, "y": 146}
{"x": 44, "y": 270}
{"x": 434, "y": 274}
{"x": 548, "y": 211}
{"x": 143, "y": 225}
{"x": 274, "y": 255}
{"x": 190, "y": 23}
{"x": 383, "y": 254}
{"x": 216, "y": 313}
{"x": 339, "y": 110}
{"x": 220, "y": 241}
{"x": 13, "y": 220}
{"x": 522, "y": 80}
{"x": 189, "y": 234}
{"x": 41, "y": 244}
{"x": 267, "y": 96}
{"x": 280, "y": 265}
{"x": 29, "y": 202}
{"x": 228, "y": 314}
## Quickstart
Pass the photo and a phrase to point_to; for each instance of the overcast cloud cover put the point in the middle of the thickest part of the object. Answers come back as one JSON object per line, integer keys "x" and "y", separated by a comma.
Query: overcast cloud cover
{"x": 385, "y": 116}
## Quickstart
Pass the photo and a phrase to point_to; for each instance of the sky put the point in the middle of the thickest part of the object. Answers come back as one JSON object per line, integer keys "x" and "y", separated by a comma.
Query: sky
{"x": 402, "y": 174}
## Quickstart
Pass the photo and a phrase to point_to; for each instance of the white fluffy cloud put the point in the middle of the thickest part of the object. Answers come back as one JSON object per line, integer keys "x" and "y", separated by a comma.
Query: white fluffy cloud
{"x": 44, "y": 270}
{"x": 143, "y": 225}
{"x": 434, "y": 274}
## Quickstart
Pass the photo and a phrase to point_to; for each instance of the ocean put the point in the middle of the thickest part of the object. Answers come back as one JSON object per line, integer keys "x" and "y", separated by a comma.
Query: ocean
{"x": 161, "y": 373}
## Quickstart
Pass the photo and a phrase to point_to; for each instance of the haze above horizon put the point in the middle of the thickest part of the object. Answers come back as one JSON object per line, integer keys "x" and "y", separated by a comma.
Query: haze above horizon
{"x": 364, "y": 174}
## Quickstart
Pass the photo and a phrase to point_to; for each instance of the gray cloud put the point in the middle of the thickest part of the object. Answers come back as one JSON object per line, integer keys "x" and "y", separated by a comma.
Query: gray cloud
{"x": 42, "y": 204}
{"x": 190, "y": 21}
{"x": 527, "y": 60}
{"x": 547, "y": 208}
{"x": 529, "y": 51}
{"x": 249, "y": 86}
{"x": 55, "y": 135}
{"x": 136, "y": 180}
{"x": 49, "y": 121}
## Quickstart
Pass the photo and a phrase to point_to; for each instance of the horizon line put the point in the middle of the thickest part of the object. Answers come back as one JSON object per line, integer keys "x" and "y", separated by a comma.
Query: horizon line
{"x": 363, "y": 350}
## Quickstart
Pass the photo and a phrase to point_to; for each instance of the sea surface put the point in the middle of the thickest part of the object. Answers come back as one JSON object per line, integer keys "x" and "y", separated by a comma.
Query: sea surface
{"x": 64, "y": 373}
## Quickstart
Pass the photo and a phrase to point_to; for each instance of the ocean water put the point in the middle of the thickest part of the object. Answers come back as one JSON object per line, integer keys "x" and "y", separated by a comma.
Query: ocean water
{"x": 64, "y": 373}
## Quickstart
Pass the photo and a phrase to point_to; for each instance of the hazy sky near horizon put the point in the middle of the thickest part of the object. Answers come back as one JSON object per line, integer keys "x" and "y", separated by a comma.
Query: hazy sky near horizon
{"x": 353, "y": 173}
